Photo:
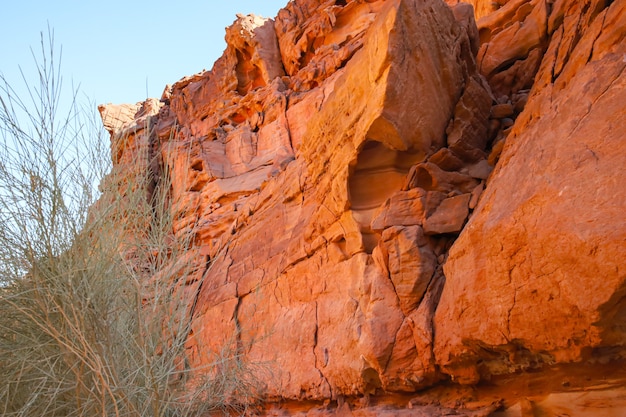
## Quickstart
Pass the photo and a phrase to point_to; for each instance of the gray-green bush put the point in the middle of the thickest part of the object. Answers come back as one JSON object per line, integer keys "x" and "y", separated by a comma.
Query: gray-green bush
{"x": 93, "y": 321}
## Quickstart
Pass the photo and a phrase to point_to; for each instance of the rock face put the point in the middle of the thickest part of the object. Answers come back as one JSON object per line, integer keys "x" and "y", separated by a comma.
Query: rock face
{"x": 537, "y": 275}
{"x": 330, "y": 159}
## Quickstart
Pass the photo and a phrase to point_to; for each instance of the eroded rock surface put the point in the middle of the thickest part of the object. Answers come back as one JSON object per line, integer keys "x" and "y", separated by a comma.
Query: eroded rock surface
{"x": 537, "y": 274}
{"x": 327, "y": 163}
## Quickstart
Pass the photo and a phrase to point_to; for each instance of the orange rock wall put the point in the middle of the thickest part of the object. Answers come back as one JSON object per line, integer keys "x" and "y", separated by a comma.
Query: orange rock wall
{"x": 304, "y": 270}
{"x": 537, "y": 273}
{"x": 330, "y": 159}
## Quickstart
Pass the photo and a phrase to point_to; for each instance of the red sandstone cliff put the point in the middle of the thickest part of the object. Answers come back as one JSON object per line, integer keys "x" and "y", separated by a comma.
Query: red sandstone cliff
{"x": 405, "y": 211}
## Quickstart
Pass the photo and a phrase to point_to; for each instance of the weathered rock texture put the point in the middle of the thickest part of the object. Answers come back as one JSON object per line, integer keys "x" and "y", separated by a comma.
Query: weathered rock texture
{"x": 538, "y": 274}
{"x": 331, "y": 157}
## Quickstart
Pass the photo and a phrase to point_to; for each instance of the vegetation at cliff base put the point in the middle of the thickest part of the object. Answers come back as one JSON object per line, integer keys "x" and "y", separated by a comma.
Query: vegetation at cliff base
{"x": 93, "y": 320}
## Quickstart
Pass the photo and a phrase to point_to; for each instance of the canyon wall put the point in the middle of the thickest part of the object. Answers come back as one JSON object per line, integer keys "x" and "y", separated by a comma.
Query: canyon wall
{"x": 400, "y": 209}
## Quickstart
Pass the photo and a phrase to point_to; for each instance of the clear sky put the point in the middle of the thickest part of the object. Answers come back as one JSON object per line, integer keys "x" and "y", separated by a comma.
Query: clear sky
{"x": 117, "y": 50}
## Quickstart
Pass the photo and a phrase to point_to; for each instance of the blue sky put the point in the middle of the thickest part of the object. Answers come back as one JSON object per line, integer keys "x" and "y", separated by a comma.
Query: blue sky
{"x": 118, "y": 49}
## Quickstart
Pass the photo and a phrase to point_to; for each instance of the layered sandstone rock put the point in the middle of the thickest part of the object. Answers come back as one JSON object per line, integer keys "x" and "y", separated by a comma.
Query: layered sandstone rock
{"x": 331, "y": 157}
{"x": 537, "y": 274}
{"x": 327, "y": 291}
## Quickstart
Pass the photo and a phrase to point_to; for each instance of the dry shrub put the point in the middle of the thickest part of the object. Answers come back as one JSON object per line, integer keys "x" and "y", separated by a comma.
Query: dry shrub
{"x": 94, "y": 304}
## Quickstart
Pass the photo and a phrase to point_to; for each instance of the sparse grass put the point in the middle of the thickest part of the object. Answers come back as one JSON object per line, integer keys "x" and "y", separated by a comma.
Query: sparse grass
{"x": 93, "y": 313}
